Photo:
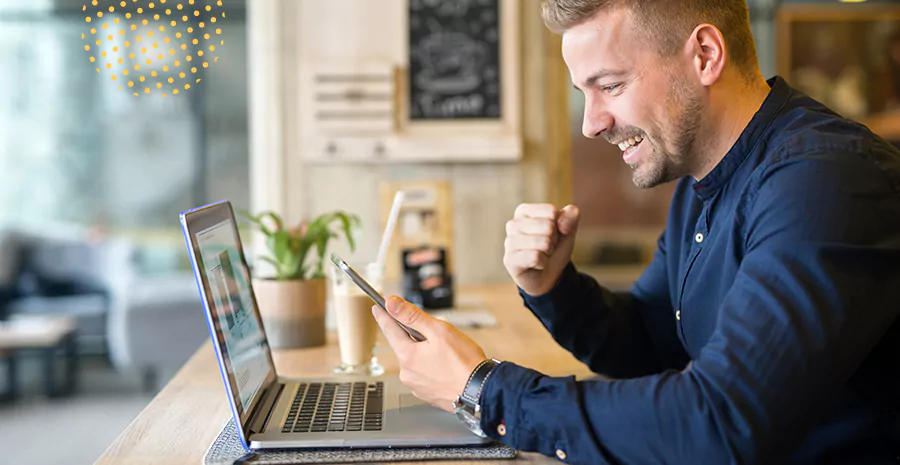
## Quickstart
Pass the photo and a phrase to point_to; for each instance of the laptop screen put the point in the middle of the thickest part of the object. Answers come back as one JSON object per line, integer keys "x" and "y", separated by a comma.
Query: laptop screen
{"x": 238, "y": 330}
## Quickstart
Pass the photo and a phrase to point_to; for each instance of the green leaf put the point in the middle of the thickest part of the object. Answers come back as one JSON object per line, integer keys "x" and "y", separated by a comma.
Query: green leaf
{"x": 349, "y": 222}
{"x": 257, "y": 220}
{"x": 279, "y": 224}
{"x": 274, "y": 264}
{"x": 269, "y": 260}
{"x": 280, "y": 246}
{"x": 289, "y": 250}
{"x": 292, "y": 268}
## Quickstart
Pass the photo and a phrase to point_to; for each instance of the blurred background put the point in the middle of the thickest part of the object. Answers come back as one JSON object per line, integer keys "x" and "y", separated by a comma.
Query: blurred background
{"x": 311, "y": 107}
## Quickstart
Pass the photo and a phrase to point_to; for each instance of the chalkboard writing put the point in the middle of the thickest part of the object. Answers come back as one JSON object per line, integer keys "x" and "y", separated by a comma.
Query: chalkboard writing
{"x": 454, "y": 59}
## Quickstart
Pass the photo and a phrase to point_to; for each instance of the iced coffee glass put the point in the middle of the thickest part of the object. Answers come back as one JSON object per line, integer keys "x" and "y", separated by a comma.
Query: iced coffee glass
{"x": 357, "y": 329}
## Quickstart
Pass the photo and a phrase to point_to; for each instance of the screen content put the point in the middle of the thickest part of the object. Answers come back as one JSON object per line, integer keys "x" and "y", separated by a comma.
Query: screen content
{"x": 238, "y": 327}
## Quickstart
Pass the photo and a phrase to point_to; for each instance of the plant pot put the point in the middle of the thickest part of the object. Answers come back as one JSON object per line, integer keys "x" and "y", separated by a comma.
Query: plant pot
{"x": 293, "y": 312}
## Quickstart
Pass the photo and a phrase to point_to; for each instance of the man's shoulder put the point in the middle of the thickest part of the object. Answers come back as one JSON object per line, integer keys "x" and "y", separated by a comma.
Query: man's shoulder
{"x": 809, "y": 136}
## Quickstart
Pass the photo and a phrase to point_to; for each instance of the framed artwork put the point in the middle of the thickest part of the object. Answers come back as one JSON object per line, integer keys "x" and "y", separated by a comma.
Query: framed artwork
{"x": 847, "y": 56}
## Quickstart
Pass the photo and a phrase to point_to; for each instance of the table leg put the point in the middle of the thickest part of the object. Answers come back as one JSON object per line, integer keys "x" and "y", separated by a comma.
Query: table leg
{"x": 50, "y": 371}
{"x": 71, "y": 349}
{"x": 12, "y": 372}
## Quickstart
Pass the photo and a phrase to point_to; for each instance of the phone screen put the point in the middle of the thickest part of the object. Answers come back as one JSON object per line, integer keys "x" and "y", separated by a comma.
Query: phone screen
{"x": 374, "y": 295}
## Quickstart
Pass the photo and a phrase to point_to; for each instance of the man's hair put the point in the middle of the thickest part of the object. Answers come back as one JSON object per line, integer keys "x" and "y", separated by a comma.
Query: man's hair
{"x": 667, "y": 23}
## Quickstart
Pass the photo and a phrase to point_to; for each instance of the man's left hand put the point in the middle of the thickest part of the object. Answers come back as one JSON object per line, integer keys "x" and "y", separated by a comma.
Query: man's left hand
{"x": 438, "y": 369}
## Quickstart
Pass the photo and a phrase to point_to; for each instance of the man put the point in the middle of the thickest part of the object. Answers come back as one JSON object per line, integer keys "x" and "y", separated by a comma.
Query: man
{"x": 765, "y": 330}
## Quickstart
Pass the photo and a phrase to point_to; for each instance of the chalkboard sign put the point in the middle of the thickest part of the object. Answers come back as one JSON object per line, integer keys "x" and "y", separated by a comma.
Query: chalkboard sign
{"x": 454, "y": 59}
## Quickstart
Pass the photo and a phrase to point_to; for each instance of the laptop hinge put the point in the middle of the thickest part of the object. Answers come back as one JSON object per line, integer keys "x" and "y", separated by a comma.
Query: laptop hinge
{"x": 263, "y": 411}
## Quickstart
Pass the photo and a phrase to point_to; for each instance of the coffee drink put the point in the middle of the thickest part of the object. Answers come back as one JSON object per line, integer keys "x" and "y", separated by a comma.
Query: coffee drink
{"x": 356, "y": 326}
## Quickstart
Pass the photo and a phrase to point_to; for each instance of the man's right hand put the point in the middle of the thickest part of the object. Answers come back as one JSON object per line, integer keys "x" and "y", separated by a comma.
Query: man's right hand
{"x": 539, "y": 243}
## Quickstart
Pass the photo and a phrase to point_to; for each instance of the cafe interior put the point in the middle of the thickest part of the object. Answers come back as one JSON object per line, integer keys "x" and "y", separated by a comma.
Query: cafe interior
{"x": 400, "y": 133}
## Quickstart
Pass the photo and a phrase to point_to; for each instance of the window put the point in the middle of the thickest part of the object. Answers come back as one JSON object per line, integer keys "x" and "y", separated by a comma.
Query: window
{"x": 76, "y": 150}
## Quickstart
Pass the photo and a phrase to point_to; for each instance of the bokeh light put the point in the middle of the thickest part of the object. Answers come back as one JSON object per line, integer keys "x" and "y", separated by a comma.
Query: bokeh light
{"x": 141, "y": 44}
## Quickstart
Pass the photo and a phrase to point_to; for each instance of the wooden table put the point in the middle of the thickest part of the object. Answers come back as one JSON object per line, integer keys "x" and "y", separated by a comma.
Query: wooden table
{"x": 181, "y": 422}
{"x": 45, "y": 334}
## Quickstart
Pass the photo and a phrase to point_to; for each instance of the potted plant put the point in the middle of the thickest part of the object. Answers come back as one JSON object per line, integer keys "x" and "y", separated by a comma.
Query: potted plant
{"x": 292, "y": 302}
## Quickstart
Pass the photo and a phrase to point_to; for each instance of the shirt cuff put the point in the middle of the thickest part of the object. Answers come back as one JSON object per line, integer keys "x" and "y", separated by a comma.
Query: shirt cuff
{"x": 566, "y": 278}
{"x": 561, "y": 292}
{"x": 500, "y": 399}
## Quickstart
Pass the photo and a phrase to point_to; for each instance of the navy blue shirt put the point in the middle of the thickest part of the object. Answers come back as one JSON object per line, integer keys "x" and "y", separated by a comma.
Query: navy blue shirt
{"x": 765, "y": 330}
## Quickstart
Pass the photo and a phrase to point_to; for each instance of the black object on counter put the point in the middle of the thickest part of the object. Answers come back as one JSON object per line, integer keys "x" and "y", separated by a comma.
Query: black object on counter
{"x": 426, "y": 281}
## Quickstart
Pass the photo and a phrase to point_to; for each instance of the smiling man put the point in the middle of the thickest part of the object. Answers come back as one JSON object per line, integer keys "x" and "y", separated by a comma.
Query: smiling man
{"x": 767, "y": 327}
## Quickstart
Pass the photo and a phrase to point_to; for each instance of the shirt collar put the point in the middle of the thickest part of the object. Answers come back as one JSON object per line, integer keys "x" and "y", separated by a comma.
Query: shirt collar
{"x": 750, "y": 137}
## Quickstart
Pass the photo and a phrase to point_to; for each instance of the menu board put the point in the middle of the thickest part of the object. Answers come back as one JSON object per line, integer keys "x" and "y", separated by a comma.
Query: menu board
{"x": 454, "y": 59}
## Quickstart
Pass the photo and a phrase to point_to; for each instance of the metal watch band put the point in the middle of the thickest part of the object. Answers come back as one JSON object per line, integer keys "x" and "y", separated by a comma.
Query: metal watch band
{"x": 472, "y": 393}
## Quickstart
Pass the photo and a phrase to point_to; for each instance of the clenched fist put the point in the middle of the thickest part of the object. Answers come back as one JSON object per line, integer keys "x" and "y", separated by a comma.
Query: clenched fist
{"x": 539, "y": 243}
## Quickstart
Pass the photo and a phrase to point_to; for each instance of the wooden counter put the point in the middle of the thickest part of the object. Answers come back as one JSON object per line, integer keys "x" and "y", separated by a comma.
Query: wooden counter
{"x": 181, "y": 422}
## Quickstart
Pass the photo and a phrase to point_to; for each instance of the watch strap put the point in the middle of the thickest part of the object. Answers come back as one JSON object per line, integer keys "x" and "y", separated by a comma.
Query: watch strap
{"x": 472, "y": 392}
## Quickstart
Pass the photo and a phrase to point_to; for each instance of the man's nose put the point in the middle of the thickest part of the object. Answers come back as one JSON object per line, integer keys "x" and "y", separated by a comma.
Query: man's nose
{"x": 596, "y": 122}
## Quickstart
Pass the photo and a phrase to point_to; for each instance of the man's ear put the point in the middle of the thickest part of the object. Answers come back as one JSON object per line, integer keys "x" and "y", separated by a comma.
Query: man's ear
{"x": 706, "y": 48}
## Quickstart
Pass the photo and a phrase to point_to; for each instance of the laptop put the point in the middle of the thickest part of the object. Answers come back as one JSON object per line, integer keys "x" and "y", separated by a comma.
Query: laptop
{"x": 272, "y": 412}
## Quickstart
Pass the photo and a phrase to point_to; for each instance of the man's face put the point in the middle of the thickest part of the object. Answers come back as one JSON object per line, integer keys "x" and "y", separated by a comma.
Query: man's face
{"x": 633, "y": 97}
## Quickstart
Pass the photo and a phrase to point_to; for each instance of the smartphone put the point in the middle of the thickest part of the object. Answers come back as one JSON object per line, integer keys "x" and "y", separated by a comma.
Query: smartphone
{"x": 374, "y": 295}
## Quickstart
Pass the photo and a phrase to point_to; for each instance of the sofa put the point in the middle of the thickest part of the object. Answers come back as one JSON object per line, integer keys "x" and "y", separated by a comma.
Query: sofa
{"x": 145, "y": 324}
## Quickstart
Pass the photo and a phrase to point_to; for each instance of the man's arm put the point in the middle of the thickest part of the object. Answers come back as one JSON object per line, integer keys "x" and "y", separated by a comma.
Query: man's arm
{"x": 617, "y": 334}
{"x": 815, "y": 292}
{"x": 612, "y": 333}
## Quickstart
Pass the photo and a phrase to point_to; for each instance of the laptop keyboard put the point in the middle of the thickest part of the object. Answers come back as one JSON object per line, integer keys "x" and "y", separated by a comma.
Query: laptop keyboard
{"x": 336, "y": 407}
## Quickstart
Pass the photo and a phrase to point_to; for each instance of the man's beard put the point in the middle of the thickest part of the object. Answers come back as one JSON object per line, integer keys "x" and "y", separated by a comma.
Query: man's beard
{"x": 683, "y": 116}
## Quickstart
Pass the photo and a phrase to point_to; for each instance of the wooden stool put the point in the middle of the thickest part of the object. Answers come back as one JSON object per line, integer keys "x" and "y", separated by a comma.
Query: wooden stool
{"x": 46, "y": 335}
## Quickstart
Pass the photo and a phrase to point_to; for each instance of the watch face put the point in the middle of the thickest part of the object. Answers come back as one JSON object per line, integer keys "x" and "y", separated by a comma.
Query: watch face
{"x": 469, "y": 420}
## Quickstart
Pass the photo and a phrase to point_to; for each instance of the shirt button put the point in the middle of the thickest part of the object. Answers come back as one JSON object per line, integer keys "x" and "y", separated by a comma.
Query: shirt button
{"x": 501, "y": 430}
{"x": 678, "y": 315}
{"x": 560, "y": 454}
{"x": 698, "y": 238}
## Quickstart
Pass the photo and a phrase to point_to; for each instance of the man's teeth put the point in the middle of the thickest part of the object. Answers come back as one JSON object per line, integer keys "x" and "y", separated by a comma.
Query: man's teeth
{"x": 624, "y": 145}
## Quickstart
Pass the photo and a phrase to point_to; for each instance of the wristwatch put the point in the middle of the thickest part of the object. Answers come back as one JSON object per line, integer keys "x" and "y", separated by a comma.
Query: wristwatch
{"x": 466, "y": 407}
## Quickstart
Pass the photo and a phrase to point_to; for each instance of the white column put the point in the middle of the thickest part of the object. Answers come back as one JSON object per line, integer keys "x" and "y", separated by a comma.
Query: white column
{"x": 267, "y": 126}
{"x": 267, "y": 158}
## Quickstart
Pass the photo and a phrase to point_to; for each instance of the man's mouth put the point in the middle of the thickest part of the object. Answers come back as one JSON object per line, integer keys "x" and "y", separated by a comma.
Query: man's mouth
{"x": 629, "y": 146}
{"x": 629, "y": 143}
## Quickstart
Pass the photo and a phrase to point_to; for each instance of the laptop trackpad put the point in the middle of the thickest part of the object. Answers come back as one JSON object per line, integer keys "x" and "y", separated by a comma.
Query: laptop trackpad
{"x": 412, "y": 404}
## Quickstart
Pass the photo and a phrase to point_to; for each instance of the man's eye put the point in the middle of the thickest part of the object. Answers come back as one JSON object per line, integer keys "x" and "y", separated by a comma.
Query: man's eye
{"x": 611, "y": 88}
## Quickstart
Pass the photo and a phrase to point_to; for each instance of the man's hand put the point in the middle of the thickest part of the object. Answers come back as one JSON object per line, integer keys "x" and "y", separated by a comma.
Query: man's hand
{"x": 437, "y": 369}
{"x": 539, "y": 243}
